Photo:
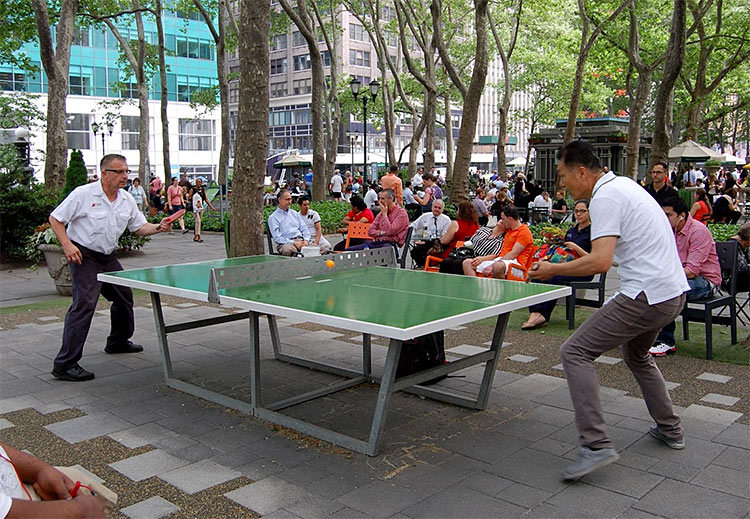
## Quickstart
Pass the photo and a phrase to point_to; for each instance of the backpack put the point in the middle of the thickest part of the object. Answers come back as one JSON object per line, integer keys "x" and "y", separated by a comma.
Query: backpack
{"x": 422, "y": 353}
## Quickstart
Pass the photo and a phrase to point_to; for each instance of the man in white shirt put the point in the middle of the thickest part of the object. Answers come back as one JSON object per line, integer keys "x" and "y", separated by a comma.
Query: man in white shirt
{"x": 312, "y": 220}
{"x": 427, "y": 228}
{"x": 336, "y": 186}
{"x": 627, "y": 225}
{"x": 96, "y": 214}
{"x": 416, "y": 180}
{"x": 288, "y": 230}
{"x": 371, "y": 197}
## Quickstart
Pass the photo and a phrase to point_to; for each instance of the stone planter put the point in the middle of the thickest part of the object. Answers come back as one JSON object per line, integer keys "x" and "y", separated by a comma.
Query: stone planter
{"x": 58, "y": 268}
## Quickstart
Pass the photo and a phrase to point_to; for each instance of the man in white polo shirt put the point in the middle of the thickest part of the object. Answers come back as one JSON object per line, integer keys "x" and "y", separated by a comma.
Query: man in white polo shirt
{"x": 96, "y": 214}
{"x": 629, "y": 226}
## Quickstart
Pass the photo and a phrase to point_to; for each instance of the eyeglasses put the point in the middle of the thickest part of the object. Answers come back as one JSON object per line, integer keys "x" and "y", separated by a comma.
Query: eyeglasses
{"x": 119, "y": 171}
{"x": 581, "y": 211}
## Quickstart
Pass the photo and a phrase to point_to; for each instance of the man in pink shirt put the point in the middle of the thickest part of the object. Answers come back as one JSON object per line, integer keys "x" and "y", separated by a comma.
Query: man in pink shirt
{"x": 393, "y": 181}
{"x": 390, "y": 225}
{"x": 697, "y": 251}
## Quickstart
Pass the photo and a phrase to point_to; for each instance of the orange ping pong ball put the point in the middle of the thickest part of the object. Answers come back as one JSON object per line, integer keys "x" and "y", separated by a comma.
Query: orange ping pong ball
{"x": 330, "y": 264}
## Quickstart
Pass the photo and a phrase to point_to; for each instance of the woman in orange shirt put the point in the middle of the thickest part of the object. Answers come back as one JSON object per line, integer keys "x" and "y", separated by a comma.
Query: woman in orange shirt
{"x": 701, "y": 209}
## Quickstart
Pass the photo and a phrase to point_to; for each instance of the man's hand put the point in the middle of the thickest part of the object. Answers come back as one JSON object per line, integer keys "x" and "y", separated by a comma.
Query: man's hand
{"x": 164, "y": 226}
{"x": 479, "y": 259}
{"x": 72, "y": 254}
{"x": 383, "y": 208}
{"x": 542, "y": 270}
{"x": 51, "y": 484}
{"x": 90, "y": 507}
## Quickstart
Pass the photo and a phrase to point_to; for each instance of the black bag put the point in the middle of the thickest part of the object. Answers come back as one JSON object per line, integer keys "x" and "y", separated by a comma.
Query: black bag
{"x": 422, "y": 353}
{"x": 462, "y": 253}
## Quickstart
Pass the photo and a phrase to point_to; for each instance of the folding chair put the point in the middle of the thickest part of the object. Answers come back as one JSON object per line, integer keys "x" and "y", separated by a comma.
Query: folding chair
{"x": 727, "y": 252}
{"x": 432, "y": 264}
{"x": 271, "y": 245}
{"x": 571, "y": 301}
{"x": 357, "y": 230}
{"x": 402, "y": 252}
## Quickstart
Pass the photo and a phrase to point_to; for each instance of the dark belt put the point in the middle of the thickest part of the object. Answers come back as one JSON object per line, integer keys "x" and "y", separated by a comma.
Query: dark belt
{"x": 97, "y": 256}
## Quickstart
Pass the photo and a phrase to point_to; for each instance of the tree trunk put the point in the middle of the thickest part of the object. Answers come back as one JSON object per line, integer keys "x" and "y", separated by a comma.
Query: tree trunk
{"x": 459, "y": 188}
{"x": 502, "y": 132}
{"x": 665, "y": 94}
{"x": 221, "y": 71}
{"x": 632, "y": 148}
{"x": 448, "y": 139}
{"x": 416, "y": 137}
{"x": 56, "y": 62}
{"x": 164, "y": 95}
{"x": 252, "y": 130}
{"x": 144, "y": 167}
{"x": 429, "y": 115}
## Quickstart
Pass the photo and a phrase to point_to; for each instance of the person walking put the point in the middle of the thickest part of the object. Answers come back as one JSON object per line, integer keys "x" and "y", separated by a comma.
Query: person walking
{"x": 200, "y": 201}
{"x": 175, "y": 201}
{"x": 627, "y": 225}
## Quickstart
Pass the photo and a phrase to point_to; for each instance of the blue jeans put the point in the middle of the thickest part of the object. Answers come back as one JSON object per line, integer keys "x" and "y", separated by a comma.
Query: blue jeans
{"x": 700, "y": 289}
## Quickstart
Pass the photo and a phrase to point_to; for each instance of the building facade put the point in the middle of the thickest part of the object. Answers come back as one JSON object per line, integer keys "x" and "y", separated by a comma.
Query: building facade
{"x": 96, "y": 79}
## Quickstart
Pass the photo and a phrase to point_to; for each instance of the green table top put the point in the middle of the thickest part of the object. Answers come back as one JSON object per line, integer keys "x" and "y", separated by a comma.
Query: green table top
{"x": 391, "y": 302}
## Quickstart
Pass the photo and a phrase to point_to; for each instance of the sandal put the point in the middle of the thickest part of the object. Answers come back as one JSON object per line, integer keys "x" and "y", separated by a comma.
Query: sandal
{"x": 532, "y": 325}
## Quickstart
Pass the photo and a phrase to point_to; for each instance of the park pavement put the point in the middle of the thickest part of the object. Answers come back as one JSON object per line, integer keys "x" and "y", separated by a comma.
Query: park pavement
{"x": 170, "y": 453}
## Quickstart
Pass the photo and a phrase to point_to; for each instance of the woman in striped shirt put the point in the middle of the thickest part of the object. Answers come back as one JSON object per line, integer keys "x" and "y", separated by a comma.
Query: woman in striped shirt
{"x": 486, "y": 242}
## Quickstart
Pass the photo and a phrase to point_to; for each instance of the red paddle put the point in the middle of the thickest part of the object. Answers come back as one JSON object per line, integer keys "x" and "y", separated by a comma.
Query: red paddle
{"x": 173, "y": 218}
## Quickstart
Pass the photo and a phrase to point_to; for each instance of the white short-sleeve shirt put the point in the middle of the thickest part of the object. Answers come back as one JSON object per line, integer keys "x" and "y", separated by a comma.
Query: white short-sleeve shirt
{"x": 646, "y": 251}
{"x": 10, "y": 486}
{"x": 336, "y": 183}
{"x": 95, "y": 222}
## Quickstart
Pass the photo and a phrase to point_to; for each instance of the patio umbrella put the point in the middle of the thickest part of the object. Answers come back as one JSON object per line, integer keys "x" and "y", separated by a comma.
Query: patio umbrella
{"x": 691, "y": 151}
{"x": 291, "y": 161}
{"x": 518, "y": 161}
{"x": 727, "y": 159}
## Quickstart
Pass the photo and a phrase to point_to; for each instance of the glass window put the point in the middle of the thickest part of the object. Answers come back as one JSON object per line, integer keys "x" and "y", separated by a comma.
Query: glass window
{"x": 78, "y": 132}
{"x": 193, "y": 48}
{"x": 279, "y": 42}
{"x": 182, "y": 47}
{"x": 207, "y": 50}
{"x": 302, "y": 62}
{"x": 302, "y": 86}
{"x": 81, "y": 37}
{"x": 298, "y": 40}
{"x": 278, "y": 66}
{"x": 130, "y": 130}
{"x": 359, "y": 58}
{"x": 197, "y": 134}
{"x": 79, "y": 85}
{"x": 278, "y": 89}
{"x": 326, "y": 57}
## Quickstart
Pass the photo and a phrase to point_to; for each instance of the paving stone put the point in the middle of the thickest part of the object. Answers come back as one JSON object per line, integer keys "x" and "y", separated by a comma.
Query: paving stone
{"x": 603, "y": 359}
{"x": 551, "y": 446}
{"x": 551, "y": 415}
{"x": 548, "y": 511}
{"x": 672, "y": 470}
{"x": 523, "y": 495}
{"x": 671, "y": 385}
{"x": 466, "y": 349}
{"x": 9, "y": 405}
{"x": 186, "y": 305}
{"x": 267, "y": 495}
{"x": 623, "y": 480}
{"x": 504, "y": 345}
{"x": 314, "y": 506}
{"x": 151, "y": 508}
{"x": 425, "y": 478}
{"x": 592, "y": 501}
{"x": 282, "y": 514}
{"x": 710, "y": 414}
{"x": 724, "y": 479}
{"x": 558, "y": 367}
{"x": 199, "y": 476}
{"x": 714, "y": 398}
{"x": 522, "y": 358}
{"x": 142, "y": 435}
{"x": 459, "y": 501}
{"x": 485, "y": 445}
{"x": 698, "y": 453}
{"x": 147, "y": 465}
{"x": 714, "y": 377}
{"x": 5, "y": 424}
{"x": 381, "y": 498}
{"x": 88, "y": 427}
{"x": 48, "y": 318}
{"x": 734, "y": 458}
{"x": 674, "y": 499}
{"x": 487, "y": 483}
{"x": 533, "y": 468}
{"x": 736, "y": 434}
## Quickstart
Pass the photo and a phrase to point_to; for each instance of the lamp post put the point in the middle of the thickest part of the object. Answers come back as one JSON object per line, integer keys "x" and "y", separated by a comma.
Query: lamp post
{"x": 95, "y": 127}
{"x": 355, "y": 85}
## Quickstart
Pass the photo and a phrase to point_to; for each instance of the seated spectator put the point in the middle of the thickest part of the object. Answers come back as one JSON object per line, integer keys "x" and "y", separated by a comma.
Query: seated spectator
{"x": 461, "y": 229}
{"x": 480, "y": 207}
{"x": 658, "y": 188}
{"x": 358, "y": 213}
{"x": 486, "y": 242}
{"x": 501, "y": 200}
{"x": 559, "y": 207}
{"x": 288, "y": 230}
{"x": 517, "y": 247}
{"x": 410, "y": 203}
{"x": 312, "y": 219}
{"x": 743, "y": 257}
{"x": 371, "y": 197}
{"x": 271, "y": 193}
{"x": 390, "y": 226}
{"x": 543, "y": 207}
{"x": 52, "y": 486}
{"x": 697, "y": 251}
{"x": 725, "y": 209}
{"x": 701, "y": 209}
{"x": 428, "y": 228}
{"x": 578, "y": 238}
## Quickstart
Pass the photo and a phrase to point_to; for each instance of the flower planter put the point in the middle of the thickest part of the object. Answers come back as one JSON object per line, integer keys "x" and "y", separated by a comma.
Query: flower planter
{"x": 58, "y": 268}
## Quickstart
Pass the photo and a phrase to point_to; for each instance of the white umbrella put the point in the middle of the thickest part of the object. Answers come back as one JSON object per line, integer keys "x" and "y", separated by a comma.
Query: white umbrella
{"x": 728, "y": 159}
{"x": 691, "y": 151}
{"x": 518, "y": 161}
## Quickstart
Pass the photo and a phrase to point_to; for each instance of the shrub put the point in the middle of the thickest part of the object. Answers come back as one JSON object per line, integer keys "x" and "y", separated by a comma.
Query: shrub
{"x": 75, "y": 175}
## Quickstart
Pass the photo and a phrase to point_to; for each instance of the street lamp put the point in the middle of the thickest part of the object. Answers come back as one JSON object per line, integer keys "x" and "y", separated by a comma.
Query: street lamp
{"x": 95, "y": 127}
{"x": 355, "y": 85}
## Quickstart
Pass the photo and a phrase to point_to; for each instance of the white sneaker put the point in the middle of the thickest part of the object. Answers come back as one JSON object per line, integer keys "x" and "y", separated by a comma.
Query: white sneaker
{"x": 661, "y": 348}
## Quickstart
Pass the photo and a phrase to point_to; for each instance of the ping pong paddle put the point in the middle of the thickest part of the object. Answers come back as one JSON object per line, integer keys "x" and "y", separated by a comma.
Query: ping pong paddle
{"x": 173, "y": 218}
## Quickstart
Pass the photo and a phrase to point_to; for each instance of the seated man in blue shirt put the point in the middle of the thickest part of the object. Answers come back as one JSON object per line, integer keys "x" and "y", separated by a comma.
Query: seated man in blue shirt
{"x": 288, "y": 230}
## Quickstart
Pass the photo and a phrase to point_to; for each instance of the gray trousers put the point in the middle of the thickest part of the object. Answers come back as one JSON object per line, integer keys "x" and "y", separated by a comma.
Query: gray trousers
{"x": 86, "y": 290}
{"x": 632, "y": 325}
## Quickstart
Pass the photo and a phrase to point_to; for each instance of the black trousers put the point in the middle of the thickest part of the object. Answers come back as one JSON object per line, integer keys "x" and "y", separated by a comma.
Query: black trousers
{"x": 86, "y": 290}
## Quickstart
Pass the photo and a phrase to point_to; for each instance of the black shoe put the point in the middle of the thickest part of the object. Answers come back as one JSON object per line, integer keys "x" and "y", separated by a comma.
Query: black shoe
{"x": 128, "y": 347}
{"x": 186, "y": 231}
{"x": 74, "y": 374}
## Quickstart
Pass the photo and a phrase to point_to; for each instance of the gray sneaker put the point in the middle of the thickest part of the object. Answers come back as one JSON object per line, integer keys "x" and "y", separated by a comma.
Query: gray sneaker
{"x": 671, "y": 443}
{"x": 588, "y": 461}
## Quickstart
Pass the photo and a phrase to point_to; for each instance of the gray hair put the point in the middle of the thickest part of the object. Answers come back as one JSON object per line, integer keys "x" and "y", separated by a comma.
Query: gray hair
{"x": 744, "y": 232}
{"x": 390, "y": 193}
{"x": 438, "y": 201}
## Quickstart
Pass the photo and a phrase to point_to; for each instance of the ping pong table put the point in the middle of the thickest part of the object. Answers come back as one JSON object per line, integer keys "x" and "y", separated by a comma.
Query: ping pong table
{"x": 362, "y": 292}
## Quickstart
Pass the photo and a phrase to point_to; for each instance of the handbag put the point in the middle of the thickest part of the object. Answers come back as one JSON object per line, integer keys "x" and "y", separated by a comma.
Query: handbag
{"x": 555, "y": 253}
{"x": 462, "y": 253}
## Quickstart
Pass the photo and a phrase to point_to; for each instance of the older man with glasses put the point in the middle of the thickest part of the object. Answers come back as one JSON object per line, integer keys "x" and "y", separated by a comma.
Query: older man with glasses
{"x": 288, "y": 229}
{"x": 88, "y": 224}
